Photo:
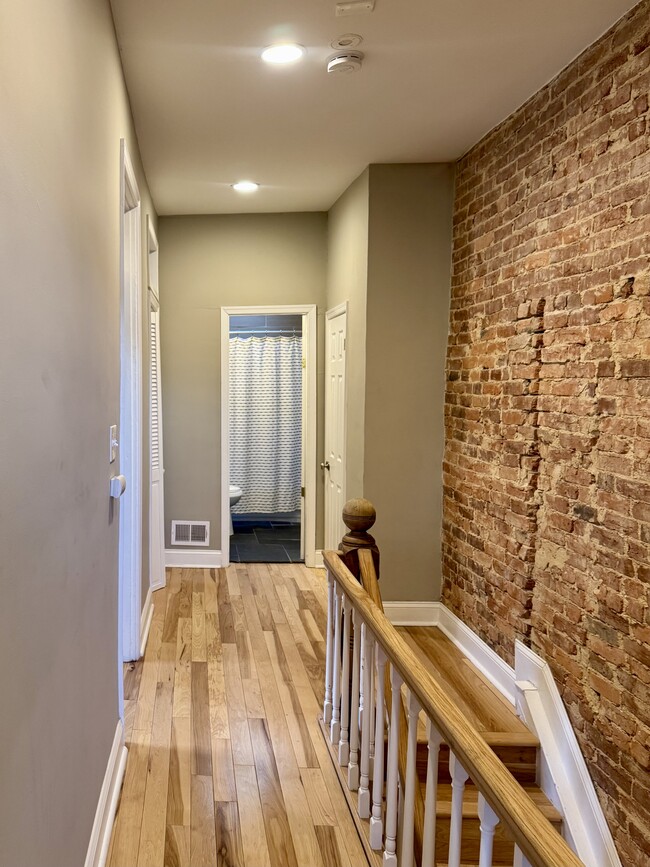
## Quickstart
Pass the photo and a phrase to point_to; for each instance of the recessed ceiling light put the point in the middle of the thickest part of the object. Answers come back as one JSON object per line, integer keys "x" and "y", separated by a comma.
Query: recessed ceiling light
{"x": 245, "y": 186}
{"x": 285, "y": 53}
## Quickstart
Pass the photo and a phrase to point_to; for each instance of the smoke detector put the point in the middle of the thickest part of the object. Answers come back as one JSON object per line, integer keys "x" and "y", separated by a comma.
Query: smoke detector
{"x": 348, "y": 61}
{"x": 347, "y": 41}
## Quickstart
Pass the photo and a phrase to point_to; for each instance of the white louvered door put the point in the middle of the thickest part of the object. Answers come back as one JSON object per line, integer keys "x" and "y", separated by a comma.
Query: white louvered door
{"x": 156, "y": 508}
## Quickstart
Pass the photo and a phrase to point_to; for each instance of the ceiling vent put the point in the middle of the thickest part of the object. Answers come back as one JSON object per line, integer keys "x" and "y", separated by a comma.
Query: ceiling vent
{"x": 349, "y": 61}
{"x": 191, "y": 533}
{"x": 355, "y": 7}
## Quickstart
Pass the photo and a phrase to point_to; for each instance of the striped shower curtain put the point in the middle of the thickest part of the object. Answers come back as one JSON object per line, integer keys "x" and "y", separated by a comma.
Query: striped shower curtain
{"x": 266, "y": 422}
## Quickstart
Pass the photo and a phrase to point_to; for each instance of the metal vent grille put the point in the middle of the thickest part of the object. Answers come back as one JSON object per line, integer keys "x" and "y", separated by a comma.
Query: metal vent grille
{"x": 191, "y": 533}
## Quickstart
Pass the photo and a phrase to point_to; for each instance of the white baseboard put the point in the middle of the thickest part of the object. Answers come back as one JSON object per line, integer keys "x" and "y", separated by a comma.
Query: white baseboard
{"x": 412, "y": 613}
{"x": 100, "y": 836}
{"x": 183, "y": 559}
{"x": 564, "y": 777}
{"x": 489, "y": 663}
{"x": 318, "y": 560}
{"x": 145, "y": 621}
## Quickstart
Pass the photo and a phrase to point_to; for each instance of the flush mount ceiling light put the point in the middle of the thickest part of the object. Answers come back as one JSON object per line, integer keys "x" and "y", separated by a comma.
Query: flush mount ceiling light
{"x": 285, "y": 53}
{"x": 246, "y": 186}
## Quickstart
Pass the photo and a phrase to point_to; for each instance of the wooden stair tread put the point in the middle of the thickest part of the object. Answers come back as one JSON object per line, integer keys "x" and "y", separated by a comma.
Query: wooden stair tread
{"x": 470, "y": 802}
{"x": 481, "y": 703}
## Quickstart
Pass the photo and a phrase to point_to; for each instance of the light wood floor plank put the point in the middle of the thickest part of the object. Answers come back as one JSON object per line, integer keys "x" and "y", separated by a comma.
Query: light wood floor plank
{"x": 177, "y": 846}
{"x": 242, "y": 751}
{"x": 199, "y": 649}
{"x": 320, "y": 804}
{"x": 202, "y": 839}
{"x": 228, "y": 835}
{"x": 201, "y": 746}
{"x": 179, "y": 787}
{"x": 278, "y": 833}
{"x": 256, "y": 851}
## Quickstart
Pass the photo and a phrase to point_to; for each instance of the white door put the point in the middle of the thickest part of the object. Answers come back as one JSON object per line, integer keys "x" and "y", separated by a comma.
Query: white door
{"x": 334, "y": 464}
{"x": 130, "y": 429}
{"x": 156, "y": 499}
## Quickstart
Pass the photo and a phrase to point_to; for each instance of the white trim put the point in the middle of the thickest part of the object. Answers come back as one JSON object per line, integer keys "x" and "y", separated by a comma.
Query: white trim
{"x": 319, "y": 563}
{"x": 130, "y": 433}
{"x": 564, "y": 776}
{"x": 145, "y": 621}
{"x": 488, "y": 662}
{"x": 412, "y": 613}
{"x": 100, "y": 836}
{"x": 193, "y": 559}
{"x": 337, "y": 311}
{"x": 308, "y": 312}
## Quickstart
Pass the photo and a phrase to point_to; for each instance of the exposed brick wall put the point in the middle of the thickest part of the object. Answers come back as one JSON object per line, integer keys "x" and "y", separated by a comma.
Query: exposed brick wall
{"x": 547, "y": 463}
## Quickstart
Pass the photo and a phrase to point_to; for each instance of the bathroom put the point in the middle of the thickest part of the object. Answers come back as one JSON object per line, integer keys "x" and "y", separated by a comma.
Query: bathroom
{"x": 266, "y": 438}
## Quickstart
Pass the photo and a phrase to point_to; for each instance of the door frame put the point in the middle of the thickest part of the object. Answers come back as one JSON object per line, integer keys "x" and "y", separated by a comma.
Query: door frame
{"x": 130, "y": 431}
{"x": 308, "y": 313}
{"x": 340, "y": 310}
{"x": 155, "y": 582}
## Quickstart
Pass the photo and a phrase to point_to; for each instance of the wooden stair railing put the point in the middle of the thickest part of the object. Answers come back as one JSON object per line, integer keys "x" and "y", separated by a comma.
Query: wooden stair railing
{"x": 357, "y": 684}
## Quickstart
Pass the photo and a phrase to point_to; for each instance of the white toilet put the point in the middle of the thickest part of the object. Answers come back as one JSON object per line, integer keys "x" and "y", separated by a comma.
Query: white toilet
{"x": 235, "y": 496}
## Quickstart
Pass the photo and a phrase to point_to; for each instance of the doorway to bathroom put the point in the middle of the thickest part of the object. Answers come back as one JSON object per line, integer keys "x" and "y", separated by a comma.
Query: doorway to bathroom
{"x": 268, "y": 364}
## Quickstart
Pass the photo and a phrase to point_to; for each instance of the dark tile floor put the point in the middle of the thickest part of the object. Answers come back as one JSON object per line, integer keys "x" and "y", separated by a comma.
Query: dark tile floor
{"x": 265, "y": 542}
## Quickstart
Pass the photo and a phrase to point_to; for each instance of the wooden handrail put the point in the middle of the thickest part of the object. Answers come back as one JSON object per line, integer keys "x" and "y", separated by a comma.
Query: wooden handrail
{"x": 532, "y": 832}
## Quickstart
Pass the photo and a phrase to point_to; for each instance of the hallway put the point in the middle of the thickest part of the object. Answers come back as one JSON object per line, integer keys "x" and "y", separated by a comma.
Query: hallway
{"x": 221, "y": 723}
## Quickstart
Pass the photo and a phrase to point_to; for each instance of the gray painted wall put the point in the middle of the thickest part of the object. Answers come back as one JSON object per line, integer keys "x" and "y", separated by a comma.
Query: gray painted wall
{"x": 209, "y": 262}
{"x": 347, "y": 280}
{"x": 390, "y": 258}
{"x": 409, "y": 269}
{"x": 64, "y": 108}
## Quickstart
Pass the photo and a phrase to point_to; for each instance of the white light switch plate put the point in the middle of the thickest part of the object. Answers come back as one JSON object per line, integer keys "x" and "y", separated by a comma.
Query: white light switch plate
{"x": 113, "y": 443}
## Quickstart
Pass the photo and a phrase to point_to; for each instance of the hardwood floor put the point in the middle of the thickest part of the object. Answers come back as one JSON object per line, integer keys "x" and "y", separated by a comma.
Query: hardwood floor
{"x": 227, "y": 766}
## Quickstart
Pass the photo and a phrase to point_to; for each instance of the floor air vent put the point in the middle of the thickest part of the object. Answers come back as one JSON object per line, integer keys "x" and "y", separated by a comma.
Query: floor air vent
{"x": 191, "y": 533}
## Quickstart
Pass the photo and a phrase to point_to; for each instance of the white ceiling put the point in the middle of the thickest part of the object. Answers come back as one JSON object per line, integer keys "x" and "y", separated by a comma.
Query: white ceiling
{"x": 438, "y": 74}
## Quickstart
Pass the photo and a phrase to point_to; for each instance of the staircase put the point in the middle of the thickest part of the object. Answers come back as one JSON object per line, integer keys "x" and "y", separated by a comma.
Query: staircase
{"x": 497, "y": 722}
{"x": 435, "y": 764}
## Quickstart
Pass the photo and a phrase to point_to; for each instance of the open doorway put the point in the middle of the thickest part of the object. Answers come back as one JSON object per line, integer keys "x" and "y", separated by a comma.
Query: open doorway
{"x": 268, "y": 434}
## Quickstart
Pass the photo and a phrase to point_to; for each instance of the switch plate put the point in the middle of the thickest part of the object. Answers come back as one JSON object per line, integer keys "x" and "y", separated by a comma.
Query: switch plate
{"x": 113, "y": 443}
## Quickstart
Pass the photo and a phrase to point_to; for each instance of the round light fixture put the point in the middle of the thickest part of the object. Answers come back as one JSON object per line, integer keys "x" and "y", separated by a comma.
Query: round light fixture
{"x": 285, "y": 53}
{"x": 245, "y": 186}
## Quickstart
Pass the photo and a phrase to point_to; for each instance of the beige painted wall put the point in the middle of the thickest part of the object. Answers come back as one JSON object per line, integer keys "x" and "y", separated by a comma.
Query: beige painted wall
{"x": 64, "y": 108}
{"x": 407, "y": 323}
{"x": 208, "y": 262}
{"x": 347, "y": 278}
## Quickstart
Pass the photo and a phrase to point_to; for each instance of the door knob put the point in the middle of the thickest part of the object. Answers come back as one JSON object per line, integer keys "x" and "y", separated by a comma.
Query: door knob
{"x": 325, "y": 465}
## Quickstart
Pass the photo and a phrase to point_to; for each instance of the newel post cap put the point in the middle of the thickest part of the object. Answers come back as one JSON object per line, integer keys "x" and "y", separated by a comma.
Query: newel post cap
{"x": 359, "y": 515}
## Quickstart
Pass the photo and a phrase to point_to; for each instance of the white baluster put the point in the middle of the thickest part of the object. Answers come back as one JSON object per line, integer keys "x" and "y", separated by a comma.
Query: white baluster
{"x": 410, "y": 782}
{"x": 429, "y": 835}
{"x": 459, "y": 777}
{"x": 329, "y": 651}
{"x": 376, "y": 823}
{"x": 353, "y": 765}
{"x": 362, "y": 665}
{"x": 344, "y": 741}
{"x": 335, "y": 727}
{"x": 489, "y": 821}
{"x": 371, "y": 704}
{"x": 520, "y": 859}
{"x": 390, "y": 847}
{"x": 363, "y": 802}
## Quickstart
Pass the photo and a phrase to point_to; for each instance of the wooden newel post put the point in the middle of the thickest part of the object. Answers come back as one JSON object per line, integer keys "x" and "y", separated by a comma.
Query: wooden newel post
{"x": 358, "y": 516}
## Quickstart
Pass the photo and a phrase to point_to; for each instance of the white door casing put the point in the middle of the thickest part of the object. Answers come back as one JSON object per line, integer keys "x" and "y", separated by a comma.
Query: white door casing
{"x": 308, "y": 524}
{"x": 156, "y": 467}
{"x": 130, "y": 429}
{"x": 334, "y": 464}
